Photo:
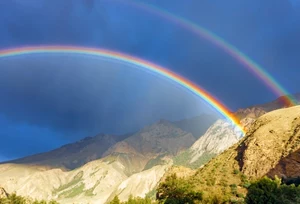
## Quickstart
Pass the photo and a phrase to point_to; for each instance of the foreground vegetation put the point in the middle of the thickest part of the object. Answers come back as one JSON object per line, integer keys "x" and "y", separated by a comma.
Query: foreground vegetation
{"x": 176, "y": 190}
{"x": 15, "y": 199}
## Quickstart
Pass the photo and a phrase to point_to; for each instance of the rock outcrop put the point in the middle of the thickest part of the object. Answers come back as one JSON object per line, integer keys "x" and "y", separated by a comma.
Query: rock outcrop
{"x": 270, "y": 148}
{"x": 271, "y": 139}
{"x": 218, "y": 138}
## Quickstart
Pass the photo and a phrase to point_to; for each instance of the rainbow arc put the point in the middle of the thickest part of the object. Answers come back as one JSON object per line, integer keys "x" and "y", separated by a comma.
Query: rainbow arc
{"x": 195, "y": 89}
{"x": 219, "y": 42}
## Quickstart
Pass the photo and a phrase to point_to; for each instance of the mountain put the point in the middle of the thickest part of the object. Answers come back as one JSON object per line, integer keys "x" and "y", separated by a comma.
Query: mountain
{"x": 217, "y": 138}
{"x": 134, "y": 166}
{"x": 259, "y": 110}
{"x": 150, "y": 146}
{"x": 72, "y": 155}
{"x": 271, "y": 147}
{"x": 96, "y": 169}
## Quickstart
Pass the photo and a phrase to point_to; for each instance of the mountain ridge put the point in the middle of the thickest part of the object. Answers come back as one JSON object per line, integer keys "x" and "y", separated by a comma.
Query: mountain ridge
{"x": 146, "y": 155}
{"x": 270, "y": 148}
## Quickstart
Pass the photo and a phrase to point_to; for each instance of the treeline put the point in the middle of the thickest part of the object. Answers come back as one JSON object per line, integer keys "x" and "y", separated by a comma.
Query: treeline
{"x": 176, "y": 190}
{"x": 15, "y": 199}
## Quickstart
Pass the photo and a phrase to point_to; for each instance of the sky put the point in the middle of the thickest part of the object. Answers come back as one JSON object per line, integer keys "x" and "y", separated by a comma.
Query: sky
{"x": 49, "y": 100}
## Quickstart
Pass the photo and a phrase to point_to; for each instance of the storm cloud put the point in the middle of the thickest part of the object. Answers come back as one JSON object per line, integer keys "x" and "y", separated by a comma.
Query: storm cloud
{"x": 66, "y": 97}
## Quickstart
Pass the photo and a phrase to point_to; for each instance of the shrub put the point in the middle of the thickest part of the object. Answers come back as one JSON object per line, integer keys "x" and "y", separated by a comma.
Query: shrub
{"x": 236, "y": 171}
{"x": 176, "y": 191}
{"x": 15, "y": 199}
{"x": 116, "y": 200}
{"x": 267, "y": 190}
{"x": 233, "y": 188}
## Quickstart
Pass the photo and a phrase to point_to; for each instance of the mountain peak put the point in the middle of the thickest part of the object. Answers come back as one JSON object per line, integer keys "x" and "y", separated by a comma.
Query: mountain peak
{"x": 74, "y": 154}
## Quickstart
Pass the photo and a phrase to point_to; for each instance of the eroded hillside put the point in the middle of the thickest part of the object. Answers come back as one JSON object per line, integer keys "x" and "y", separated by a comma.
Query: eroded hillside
{"x": 271, "y": 147}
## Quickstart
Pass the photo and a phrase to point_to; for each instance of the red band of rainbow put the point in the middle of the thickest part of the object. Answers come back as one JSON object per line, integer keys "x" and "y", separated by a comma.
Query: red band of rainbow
{"x": 212, "y": 101}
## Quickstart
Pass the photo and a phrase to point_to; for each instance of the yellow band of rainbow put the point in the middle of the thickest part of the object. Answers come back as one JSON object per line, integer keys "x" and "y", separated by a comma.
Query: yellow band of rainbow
{"x": 192, "y": 87}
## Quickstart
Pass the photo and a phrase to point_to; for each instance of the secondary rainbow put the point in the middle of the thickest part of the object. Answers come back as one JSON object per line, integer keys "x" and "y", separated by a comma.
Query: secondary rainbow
{"x": 219, "y": 42}
{"x": 199, "y": 91}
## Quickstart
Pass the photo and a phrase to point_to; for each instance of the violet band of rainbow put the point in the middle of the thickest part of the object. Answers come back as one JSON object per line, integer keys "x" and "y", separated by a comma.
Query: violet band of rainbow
{"x": 192, "y": 87}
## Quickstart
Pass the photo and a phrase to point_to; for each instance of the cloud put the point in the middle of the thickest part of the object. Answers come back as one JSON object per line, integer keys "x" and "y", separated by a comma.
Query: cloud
{"x": 71, "y": 94}
{"x": 76, "y": 93}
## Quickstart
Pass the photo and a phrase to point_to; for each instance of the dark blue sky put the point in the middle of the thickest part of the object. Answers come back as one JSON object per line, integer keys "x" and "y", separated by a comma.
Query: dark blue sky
{"x": 47, "y": 101}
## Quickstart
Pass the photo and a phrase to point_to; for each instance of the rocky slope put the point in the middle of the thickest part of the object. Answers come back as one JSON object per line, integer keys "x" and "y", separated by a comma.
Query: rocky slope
{"x": 271, "y": 147}
{"x": 150, "y": 146}
{"x": 217, "y": 138}
{"x": 259, "y": 110}
{"x": 132, "y": 166}
{"x": 273, "y": 137}
{"x": 92, "y": 148}
{"x": 96, "y": 182}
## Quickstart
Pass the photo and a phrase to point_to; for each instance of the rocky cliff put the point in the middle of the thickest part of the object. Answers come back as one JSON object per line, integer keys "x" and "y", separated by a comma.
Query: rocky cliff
{"x": 271, "y": 147}
{"x": 217, "y": 138}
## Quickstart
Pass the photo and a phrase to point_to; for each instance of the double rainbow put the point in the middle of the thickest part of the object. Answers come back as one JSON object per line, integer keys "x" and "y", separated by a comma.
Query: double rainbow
{"x": 204, "y": 33}
{"x": 212, "y": 101}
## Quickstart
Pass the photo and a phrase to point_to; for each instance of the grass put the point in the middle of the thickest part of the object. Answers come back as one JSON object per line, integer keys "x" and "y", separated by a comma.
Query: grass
{"x": 71, "y": 193}
{"x": 154, "y": 162}
{"x": 152, "y": 194}
{"x": 90, "y": 191}
{"x": 221, "y": 178}
{"x": 183, "y": 159}
{"x": 77, "y": 178}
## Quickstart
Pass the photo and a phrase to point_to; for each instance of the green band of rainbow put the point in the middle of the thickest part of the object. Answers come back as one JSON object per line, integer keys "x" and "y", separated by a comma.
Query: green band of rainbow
{"x": 221, "y": 43}
{"x": 212, "y": 101}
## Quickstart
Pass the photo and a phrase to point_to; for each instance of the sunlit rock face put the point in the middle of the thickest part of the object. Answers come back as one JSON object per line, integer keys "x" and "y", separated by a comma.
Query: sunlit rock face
{"x": 133, "y": 166}
{"x": 218, "y": 137}
{"x": 273, "y": 145}
{"x": 270, "y": 147}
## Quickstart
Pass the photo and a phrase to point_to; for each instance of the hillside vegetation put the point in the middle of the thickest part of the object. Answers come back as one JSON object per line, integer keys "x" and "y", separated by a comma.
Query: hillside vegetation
{"x": 272, "y": 143}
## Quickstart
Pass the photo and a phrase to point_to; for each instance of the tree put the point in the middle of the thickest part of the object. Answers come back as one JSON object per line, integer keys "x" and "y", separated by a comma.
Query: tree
{"x": 177, "y": 191}
{"x": 15, "y": 199}
{"x": 262, "y": 191}
{"x": 116, "y": 200}
{"x": 270, "y": 191}
{"x": 138, "y": 200}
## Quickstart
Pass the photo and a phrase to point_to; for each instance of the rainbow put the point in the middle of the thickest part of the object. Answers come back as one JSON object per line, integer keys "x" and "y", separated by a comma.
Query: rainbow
{"x": 221, "y": 43}
{"x": 211, "y": 100}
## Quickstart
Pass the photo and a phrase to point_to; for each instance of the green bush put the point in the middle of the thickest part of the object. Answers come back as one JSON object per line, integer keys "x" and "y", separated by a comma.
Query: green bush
{"x": 176, "y": 191}
{"x": 233, "y": 188}
{"x": 132, "y": 200}
{"x": 138, "y": 200}
{"x": 15, "y": 199}
{"x": 267, "y": 190}
{"x": 116, "y": 200}
{"x": 236, "y": 171}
